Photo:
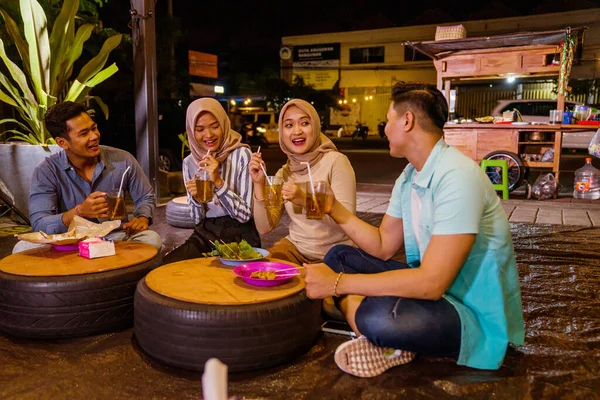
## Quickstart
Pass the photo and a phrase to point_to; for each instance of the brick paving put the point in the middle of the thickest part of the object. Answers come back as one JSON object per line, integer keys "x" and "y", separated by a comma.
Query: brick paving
{"x": 562, "y": 211}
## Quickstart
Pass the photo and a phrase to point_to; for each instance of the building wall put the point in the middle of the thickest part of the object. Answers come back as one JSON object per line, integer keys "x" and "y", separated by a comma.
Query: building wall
{"x": 375, "y": 79}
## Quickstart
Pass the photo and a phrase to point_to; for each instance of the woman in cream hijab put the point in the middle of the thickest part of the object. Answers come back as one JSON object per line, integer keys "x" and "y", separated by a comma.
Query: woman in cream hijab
{"x": 301, "y": 139}
{"x": 218, "y": 156}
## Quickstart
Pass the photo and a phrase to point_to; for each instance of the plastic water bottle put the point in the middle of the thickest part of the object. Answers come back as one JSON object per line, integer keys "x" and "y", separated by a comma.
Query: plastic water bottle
{"x": 586, "y": 185}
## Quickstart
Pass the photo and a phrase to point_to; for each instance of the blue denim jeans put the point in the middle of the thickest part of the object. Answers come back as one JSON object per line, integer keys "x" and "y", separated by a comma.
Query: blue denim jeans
{"x": 428, "y": 327}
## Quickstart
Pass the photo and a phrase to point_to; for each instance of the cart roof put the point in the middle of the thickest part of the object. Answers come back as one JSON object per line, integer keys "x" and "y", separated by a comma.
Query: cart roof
{"x": 443, "y": 48}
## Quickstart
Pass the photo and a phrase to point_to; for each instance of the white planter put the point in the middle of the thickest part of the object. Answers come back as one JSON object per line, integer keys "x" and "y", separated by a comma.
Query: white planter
{"x": 17, "y": 162}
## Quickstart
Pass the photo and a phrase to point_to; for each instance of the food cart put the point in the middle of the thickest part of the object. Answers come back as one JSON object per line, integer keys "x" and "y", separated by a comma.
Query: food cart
{"x": 522, "y": 55}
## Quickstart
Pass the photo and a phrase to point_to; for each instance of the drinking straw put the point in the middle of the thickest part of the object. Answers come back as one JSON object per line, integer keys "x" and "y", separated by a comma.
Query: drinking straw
{"x": 312, "y": 185}
{"x": 266, "y": 176}
{"x": 199, "y": 166}
{"x": 119, "y": 193}
{"x": 265, "y": 171}
{"x": 123, "y": 179}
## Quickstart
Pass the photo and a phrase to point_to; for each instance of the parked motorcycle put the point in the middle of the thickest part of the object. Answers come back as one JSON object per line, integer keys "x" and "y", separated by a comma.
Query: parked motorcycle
{"x": 381, "y": 129}
{"x": 361, "y": 131}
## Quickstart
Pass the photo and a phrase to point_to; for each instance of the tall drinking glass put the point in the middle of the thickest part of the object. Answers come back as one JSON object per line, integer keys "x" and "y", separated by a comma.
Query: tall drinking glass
{"x": 272, "y": 192}
{"x": 204, "y": 187}
{"x": 315, "y": 200}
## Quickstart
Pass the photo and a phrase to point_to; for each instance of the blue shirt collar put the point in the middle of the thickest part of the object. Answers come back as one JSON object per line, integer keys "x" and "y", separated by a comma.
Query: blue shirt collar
{"x": 65, "y": 164}
{"x": 426, "y": 174}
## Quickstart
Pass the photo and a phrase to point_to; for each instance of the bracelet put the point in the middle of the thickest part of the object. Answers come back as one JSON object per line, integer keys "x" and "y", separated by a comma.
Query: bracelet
{"x": 77, "y": 212}
{"x": 335, "y": 294}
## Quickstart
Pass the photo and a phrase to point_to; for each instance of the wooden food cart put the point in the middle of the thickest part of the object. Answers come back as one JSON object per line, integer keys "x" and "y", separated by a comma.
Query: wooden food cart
{"x": 522, "y": 55}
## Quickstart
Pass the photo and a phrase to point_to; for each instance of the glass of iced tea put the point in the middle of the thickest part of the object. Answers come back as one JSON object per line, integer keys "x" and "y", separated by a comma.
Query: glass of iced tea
{"x": 315, "y": 200}
{"x": 204, "y": 187}
{"x": 272, "y": 192}
{"x": 116, "y": 204}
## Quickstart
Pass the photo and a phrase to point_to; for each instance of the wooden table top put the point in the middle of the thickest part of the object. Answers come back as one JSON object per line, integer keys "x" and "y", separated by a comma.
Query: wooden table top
{"x": 46, "y": 261}
{"x": 207, "y": 281}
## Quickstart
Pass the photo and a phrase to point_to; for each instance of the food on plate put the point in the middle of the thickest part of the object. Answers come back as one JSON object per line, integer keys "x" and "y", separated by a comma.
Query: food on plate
{"x": 267, "y": 275}
{"x": 485, "y": 120}
{"x": 234, "y": 251}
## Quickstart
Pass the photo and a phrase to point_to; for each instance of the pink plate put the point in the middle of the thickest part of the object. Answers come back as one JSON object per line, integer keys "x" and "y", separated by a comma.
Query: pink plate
{"x": 66, "y": 247}
{"x": 244, "y": 271}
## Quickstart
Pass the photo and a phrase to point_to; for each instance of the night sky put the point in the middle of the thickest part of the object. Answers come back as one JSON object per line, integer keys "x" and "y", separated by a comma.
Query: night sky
{"x": 247, "y": 35}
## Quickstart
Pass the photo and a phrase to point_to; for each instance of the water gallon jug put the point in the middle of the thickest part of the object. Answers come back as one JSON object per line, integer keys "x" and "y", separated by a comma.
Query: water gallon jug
{"x": 587, "y": 185}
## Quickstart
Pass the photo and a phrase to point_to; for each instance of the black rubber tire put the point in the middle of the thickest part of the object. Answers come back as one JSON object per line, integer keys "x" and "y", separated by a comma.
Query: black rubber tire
{"x": 178, "y": 214}
{"x": 167, "y": 161}
{"x": 248, "y": 337}
{"x": 516, "y": 168}
{"x": 57, "y": 307}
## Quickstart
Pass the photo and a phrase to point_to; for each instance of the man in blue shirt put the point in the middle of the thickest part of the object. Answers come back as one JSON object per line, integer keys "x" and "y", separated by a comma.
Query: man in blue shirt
{"x": 75, "y": 181}
{"x": 458, "y": 295}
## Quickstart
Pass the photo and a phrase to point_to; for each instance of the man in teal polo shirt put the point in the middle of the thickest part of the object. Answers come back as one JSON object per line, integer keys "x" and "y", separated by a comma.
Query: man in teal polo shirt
{"x": 459, "y": 295}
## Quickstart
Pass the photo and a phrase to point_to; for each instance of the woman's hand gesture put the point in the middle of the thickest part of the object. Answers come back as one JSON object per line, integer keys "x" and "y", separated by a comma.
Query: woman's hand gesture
{"x": 211, "y": 165}
{"x": 256, "y": 171}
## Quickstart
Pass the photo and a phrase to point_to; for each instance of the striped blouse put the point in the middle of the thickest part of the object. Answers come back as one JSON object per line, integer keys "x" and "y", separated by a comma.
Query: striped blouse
{"x": 234, "y": 198}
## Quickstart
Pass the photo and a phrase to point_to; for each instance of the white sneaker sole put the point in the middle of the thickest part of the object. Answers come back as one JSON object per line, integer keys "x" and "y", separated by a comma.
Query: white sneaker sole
{"x": 362, "y": 358}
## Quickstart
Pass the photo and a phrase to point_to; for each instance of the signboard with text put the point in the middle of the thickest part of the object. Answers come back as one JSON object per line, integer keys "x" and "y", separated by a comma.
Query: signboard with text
{"x": 317, "y": 55}
{"x": 203, "y": 64}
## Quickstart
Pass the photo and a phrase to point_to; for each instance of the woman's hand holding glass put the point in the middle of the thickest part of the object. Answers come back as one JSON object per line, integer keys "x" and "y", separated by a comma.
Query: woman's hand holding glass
{"x": 293, "y": 193}
{"x": 191, "y": 187}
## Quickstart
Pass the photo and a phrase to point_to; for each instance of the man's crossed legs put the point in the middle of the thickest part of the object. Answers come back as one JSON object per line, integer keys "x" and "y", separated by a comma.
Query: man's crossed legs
{"x": 388, "y": 323}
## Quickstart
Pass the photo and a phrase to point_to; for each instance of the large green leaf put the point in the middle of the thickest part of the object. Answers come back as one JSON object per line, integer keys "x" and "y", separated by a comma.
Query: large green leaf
{"x": 100, "y": 103}
{"x": 97, "y": 63}
{"x": 79, "y": 90}
{"x": 36, "y": 34}
{"x": 12, "y": 91}
{"x": 7, "y": 99}
{"x": 75, "y": 90}
{"x": 14, "y": 121}
{"x": 16, "y": 73}
{"x": 103, "y": 75}
{"x": 66, "y": 69}
{"x": 15, "y": 34}
{"x": 61, "y": 40}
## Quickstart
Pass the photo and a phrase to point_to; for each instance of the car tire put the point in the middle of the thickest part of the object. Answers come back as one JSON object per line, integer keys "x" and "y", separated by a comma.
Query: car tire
{"x": 58, "y": 307}
{"x": 178, "y": 213}
{"x": 167, "y": 161}
{"x": 245, "y": 337}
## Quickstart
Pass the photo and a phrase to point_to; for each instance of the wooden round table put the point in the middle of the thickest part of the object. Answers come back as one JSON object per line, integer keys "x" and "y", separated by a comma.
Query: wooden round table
{"x": 207, "y": 281}
{"x": 190, "y": 311}
{"x": 48, "y": 293}
{"x": 46, "y": 261}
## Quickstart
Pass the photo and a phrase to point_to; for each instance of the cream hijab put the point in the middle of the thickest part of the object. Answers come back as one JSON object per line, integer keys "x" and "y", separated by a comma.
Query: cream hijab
{"x": 321, "y": 144}
{"x": 231, "y": 139}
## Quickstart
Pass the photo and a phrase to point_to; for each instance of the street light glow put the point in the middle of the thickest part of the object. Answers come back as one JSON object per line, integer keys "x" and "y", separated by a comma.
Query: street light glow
{"x": 219, "y": 89}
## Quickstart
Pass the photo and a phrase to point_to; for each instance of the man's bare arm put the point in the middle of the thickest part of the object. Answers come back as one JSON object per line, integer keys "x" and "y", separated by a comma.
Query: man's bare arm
{"x": 382, "y": 242}
{"x": 442, "y": 261}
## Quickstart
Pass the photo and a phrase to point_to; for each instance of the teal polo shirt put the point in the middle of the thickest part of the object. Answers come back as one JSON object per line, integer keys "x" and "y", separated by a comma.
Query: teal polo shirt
{"x": 458, "y": 198}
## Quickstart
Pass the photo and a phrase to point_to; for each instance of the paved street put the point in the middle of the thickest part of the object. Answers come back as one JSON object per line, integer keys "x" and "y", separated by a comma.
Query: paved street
{"x": 376, "y": 171}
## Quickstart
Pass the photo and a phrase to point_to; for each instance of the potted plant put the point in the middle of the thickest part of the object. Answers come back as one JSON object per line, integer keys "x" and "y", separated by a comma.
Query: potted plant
{"x": 42, "y": 77}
